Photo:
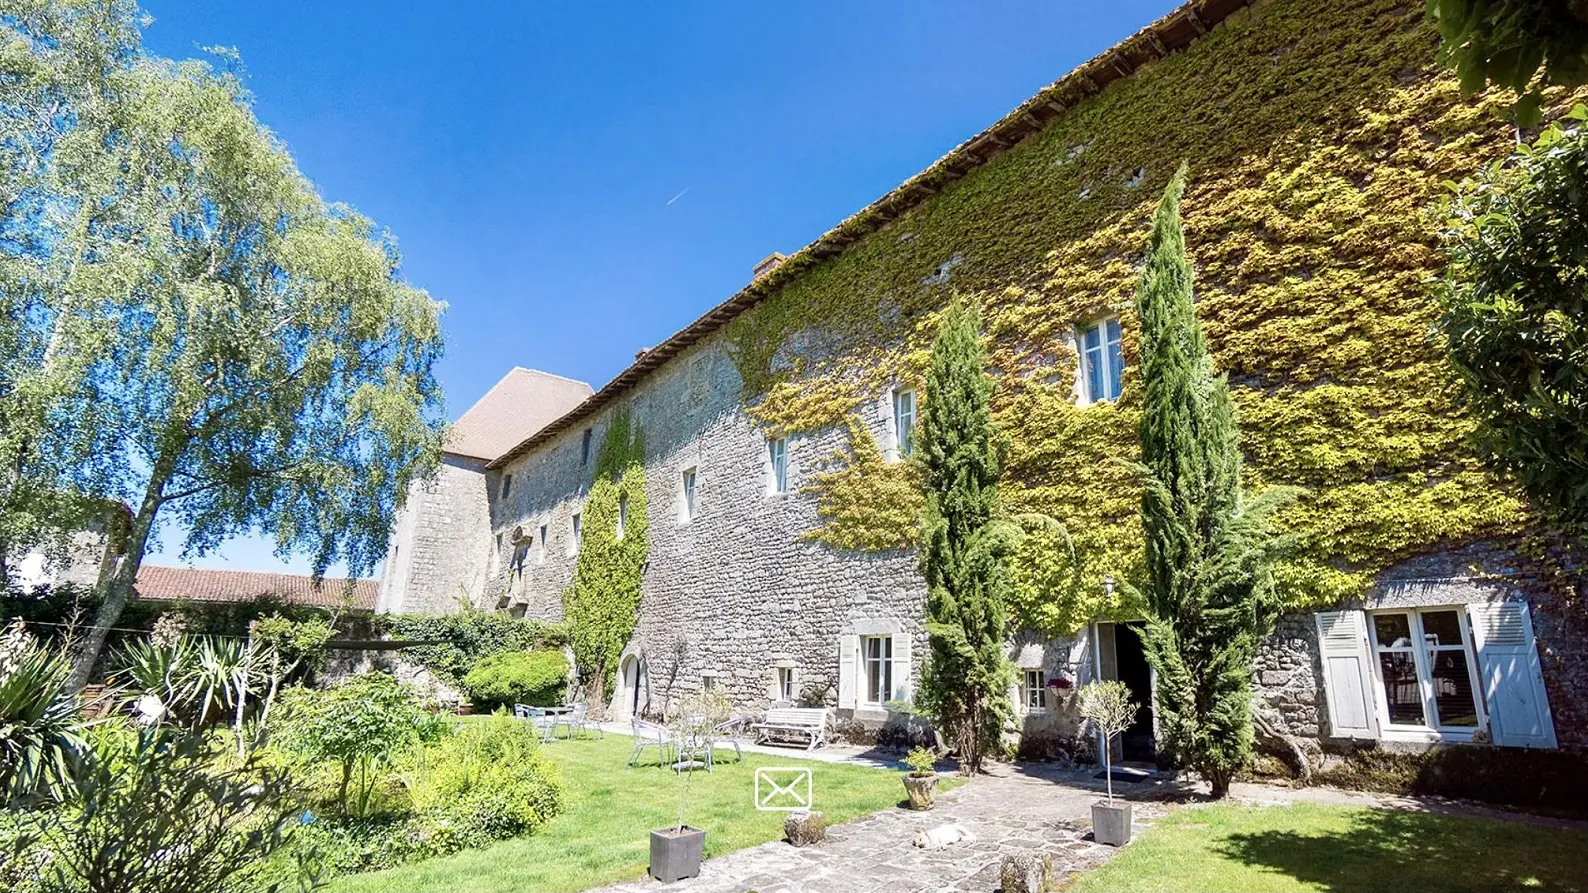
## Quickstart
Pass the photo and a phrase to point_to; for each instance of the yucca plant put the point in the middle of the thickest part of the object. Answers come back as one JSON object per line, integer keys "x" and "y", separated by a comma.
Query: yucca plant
{"x": 41, "y": 728}
{"x": 158, "y": 671}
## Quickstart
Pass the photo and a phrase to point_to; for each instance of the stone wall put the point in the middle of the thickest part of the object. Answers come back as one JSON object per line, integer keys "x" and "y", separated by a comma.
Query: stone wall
{"x": 1289, "y": 669}
{"x": 738, "y": 589}
{"x": 440, "y": 542}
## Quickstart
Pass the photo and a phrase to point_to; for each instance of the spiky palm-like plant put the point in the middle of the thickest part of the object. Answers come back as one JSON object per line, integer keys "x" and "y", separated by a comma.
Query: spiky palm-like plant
{"x": 41, "y": 728}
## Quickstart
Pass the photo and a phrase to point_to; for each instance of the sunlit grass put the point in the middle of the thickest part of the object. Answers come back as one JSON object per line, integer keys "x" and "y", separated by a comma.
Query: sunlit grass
{"x": 604, "y": 834}
{"x": 1309, "y": 847}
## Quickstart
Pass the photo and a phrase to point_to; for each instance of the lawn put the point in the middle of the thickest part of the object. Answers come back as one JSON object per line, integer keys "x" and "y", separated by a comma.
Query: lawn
{"x": 604, "y": 834}
{"x": 1235, "y": 849}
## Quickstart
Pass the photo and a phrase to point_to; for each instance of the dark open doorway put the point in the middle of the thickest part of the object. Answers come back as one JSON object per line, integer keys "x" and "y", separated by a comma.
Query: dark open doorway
{"x": 1138, "y": 742}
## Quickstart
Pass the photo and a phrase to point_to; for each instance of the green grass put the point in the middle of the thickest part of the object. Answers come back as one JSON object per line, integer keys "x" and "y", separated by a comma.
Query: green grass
{"x": 1235, "y": 849}
{"x": 604, "y": 834}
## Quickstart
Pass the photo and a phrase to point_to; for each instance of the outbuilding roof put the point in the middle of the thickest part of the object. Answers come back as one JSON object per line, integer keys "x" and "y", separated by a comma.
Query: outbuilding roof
{"x": 1163, "y": 37}
{"x": 158, "y": 583}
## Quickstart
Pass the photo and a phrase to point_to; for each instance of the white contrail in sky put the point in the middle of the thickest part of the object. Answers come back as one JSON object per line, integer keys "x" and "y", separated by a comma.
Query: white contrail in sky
{"x": 676, "y": 197}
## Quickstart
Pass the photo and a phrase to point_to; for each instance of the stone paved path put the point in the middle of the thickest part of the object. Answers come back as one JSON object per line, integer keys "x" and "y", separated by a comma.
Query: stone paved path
{"x": 1013, "y": 810}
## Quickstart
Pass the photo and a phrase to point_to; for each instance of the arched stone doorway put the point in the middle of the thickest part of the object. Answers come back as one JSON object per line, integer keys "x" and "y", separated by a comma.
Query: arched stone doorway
{"x": 631, "y": 699}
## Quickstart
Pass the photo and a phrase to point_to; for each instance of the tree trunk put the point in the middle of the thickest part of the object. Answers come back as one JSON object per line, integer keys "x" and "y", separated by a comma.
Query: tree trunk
{"x": 1220, "y": 782}
{"x": 123, "y": 575}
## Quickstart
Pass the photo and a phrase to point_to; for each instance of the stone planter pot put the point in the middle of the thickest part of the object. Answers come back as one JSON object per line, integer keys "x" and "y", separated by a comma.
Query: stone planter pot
{"x": 922, "y": 790}
{"x": 675, "y": 853}
{"x": 1111, "y": 824}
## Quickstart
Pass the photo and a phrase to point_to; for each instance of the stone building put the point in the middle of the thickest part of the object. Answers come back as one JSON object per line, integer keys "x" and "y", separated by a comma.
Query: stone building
{"x": 775, "y": 424}
{"x": 438, "y": 548}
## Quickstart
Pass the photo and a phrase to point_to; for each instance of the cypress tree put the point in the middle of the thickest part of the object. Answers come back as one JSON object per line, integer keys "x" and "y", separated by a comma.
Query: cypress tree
{"x": 1209, "y": 550}
{"x": 964, "y": 685}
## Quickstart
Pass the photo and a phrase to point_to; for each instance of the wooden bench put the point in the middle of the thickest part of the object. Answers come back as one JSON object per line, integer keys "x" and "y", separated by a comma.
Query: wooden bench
{"x": 792, "y": 724}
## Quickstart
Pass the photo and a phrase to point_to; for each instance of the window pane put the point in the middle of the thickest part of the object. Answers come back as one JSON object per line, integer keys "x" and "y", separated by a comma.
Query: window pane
{"x": 1401, "y": 691}
{"x": 1094, "y": 375}
{"x": 1453, "y": 700}
{"x": 1392, "y": 630}
{"x": 1115, "y": 361}
{"x": 1093, "y": 338}
{"x": 1441, "y": 628}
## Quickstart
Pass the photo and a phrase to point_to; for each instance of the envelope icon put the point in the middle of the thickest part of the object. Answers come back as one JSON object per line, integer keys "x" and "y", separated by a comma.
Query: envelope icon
{"x": 782, "y": 789}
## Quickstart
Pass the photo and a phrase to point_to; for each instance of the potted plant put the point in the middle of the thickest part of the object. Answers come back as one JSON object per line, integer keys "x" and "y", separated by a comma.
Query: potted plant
{"x": 676, "y": 851}
{"x": 1108, "y": 706}
{"x": 921, "y": 781}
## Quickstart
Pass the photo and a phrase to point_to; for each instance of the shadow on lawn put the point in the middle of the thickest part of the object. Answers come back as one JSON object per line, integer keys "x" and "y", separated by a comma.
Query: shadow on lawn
{"x": 1412, "y": 851}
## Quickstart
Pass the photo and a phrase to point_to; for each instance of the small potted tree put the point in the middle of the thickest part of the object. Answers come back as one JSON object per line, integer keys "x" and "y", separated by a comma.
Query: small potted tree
{"x": 921, "y": 781}
{"x": 1107, "y": 705}
{"x": 676, "y": 852}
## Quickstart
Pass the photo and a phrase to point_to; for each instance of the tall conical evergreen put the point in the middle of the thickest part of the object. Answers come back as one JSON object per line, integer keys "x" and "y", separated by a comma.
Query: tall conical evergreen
{"x": 1209, "y": 552}
{"x": 964, "y": 685}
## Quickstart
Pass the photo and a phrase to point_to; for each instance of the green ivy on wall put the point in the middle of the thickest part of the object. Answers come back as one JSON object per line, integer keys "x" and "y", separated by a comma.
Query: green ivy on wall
{"x": 1319, "y": 137}
{"x": 602, "y": 606}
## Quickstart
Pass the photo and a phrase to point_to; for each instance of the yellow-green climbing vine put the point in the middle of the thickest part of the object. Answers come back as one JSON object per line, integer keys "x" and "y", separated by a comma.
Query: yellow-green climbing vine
{"x": 602, "y": 606}
{"x": 1319, "y": 137}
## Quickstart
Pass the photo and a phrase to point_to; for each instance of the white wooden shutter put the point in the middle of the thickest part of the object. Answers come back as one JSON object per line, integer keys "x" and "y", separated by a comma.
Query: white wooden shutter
{"x": 1513, "y": 681}
{"x": 848, "y": 652}
{"x": 901, "y": 667}
{"x": 1347, "y": 674}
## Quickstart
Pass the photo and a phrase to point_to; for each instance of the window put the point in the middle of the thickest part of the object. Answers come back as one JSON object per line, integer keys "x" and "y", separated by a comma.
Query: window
{"x": 1424, "y": 665}
{"x": 578, "y": 532}
{"x": 904, "y": 421}
{"x": 1034, "y": 691}
{"x": 1101, "y": 361}
{"x": 584, "y": 447}
{"x": 708, "y": 681}
{"x": 785, "y": 683}
{"x": 877, "y": 655}
{"x": 689, "y": 495}
{"x": 623, "y": 514}
{"x": 507, "y": 484}
{"x": 778, "y": 450}
{"x": 520, "y": 553}
{"x": 542, "y": 554}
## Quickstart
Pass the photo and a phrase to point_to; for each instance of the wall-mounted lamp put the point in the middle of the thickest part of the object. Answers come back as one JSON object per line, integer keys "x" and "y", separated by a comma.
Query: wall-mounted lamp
{"x": 1108, "y": 585}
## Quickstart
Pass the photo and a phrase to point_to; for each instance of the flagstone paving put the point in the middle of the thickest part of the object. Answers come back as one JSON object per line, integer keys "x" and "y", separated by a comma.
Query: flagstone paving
{"x": 1014, "y": 809}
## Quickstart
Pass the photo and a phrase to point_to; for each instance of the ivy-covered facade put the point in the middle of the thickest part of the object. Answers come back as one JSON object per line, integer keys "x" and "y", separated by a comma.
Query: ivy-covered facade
{"x": 1319, "y": 139}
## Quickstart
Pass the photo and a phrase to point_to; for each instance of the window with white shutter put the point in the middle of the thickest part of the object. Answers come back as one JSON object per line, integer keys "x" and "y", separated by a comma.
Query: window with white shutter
{"x": 901, "y": 667}
{"x": 1347, "y": 676}
{"x": 848, "y": 652}
{"x": 1513, "y": 681}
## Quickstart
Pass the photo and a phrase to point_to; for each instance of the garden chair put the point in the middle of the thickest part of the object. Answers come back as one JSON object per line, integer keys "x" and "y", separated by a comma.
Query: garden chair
{"x": 649, "y": 734}
{"x": 726, "y": 733}
{"x": 537, "y": 717}
{"x": 578, "y": 720}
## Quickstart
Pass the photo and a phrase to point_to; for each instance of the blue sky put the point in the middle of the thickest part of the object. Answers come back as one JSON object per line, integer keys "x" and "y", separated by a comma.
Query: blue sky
{"x": 580, "y": 180}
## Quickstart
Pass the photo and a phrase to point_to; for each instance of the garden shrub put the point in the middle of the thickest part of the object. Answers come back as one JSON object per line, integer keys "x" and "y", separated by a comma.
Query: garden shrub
{"x": 357, "y": 726}
{"x": 486, "y": 782}
{"x": 537, "y": 678}
{"x": 465, "y": 638}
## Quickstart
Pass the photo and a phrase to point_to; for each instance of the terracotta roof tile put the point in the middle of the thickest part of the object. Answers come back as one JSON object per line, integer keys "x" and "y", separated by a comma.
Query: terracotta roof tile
{"x": 523, "y": 402}
{"x": 157, "y": 583}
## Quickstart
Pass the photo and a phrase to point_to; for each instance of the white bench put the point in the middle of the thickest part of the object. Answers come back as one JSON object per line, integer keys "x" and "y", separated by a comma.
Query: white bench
{"x": 793, "y": 723}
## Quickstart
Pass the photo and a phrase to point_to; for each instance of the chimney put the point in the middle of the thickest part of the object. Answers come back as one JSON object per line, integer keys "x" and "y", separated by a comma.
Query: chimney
{"x": 768, "y": 264}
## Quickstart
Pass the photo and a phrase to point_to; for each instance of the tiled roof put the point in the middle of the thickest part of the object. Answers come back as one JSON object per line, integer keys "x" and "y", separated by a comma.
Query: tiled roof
{"x": 1167, "y": 35}
{"x": 523, "y": 402}
{"x": 194, "y": 584}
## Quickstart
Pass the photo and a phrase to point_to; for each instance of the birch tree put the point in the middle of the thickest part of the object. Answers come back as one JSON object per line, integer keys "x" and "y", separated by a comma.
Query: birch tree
{"x": 241, "y": 354}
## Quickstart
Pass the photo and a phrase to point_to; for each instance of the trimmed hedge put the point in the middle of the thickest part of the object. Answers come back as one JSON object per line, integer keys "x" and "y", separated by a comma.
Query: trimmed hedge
{"x": 537, "y": 678}
{"x": 463, "y": 639}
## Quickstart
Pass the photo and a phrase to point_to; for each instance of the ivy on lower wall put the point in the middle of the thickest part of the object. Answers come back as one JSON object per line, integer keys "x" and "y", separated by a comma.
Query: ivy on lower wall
{"x": 1319, "y": 136}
